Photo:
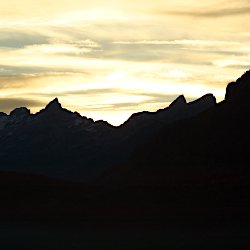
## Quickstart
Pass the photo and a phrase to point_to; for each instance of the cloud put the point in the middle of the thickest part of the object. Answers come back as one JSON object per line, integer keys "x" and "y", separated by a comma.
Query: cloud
{"x": 224, "y": 12}
{"x": 191, "y": 44}
{"x": 17, "y": 80}
{"x": 104, "y": 56}
{"x": 188, "y": 42}
{"x": 19, "y": 39}
{"x": 203, "y": 52}
{"x": 146, "y": 99}
{"x": 8, "y": 104}
{"x": 70, "y": 48}
{"x": 104, "y": 97}
{"x": 105, "y": 91}
{"x": 8, "y": 81}
{"x": 20, "y": 72}
{"x": 233, "y": 60}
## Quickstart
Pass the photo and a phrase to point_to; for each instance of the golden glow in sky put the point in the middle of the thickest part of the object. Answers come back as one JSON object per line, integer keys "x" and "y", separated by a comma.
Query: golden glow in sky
{"x": 109, "y": 59}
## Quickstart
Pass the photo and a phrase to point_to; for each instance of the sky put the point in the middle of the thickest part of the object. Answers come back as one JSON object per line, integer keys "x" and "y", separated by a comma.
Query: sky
{"x": 109, "y": 59}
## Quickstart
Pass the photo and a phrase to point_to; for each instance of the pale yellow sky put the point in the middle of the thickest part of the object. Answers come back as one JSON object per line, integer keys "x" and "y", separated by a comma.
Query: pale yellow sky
{"x": 109, "y": 59}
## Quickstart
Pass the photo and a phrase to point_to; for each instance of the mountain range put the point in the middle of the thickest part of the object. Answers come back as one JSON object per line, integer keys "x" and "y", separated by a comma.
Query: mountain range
{"x": 184, "y": 168}
{"x": 59, "y": 143}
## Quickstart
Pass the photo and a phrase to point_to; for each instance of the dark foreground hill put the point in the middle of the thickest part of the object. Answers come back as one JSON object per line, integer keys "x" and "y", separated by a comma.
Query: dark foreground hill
{"x": 183, "y": 185}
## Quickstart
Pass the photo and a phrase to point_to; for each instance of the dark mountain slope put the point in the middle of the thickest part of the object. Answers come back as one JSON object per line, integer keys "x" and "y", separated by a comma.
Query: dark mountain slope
{"x": 142, "y": 126}
{"x": 53, "y": 142}
{"x": 211, "y": 147}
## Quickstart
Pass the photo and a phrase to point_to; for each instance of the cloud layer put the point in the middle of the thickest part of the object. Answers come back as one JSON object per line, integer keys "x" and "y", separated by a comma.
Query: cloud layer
{"x": 108, "y": 60}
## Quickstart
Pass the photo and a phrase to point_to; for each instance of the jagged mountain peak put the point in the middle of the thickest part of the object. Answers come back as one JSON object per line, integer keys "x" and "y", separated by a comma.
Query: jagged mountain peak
{"x": 244, "y": 78}
{"x": 54, "y": 104}
{"x": 178, "y": 102}
{"x": 54, "y": 112}
{"x": 240, "y": 88}
{"x": 205, "y": 99}
{"x": 20, "y": 112}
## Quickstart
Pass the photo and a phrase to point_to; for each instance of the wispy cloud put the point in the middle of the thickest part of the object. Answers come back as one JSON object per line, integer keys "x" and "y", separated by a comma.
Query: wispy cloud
{"x": 180, "y": 42}
{"x": 8, "y": 104}
{"x": 64, "y": 48}
{"x": 112, "y": 58}
{"x": 214, "y": 13}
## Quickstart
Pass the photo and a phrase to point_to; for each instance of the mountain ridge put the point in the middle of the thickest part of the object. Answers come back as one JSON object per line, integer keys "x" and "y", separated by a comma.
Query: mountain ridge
{"x": 200, "y": 149}
{"x": 61, "y": 143}
{"x": 54, "y": 106}
{"x": 192, "y": 173}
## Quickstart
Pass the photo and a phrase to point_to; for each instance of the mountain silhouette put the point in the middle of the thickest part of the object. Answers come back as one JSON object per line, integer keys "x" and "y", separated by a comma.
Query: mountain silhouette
{"x": 63, "y": 144}
{"x": 182, "y": 169}
{"x": 208, "y": 148}
{"x": 59, "y": 143}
